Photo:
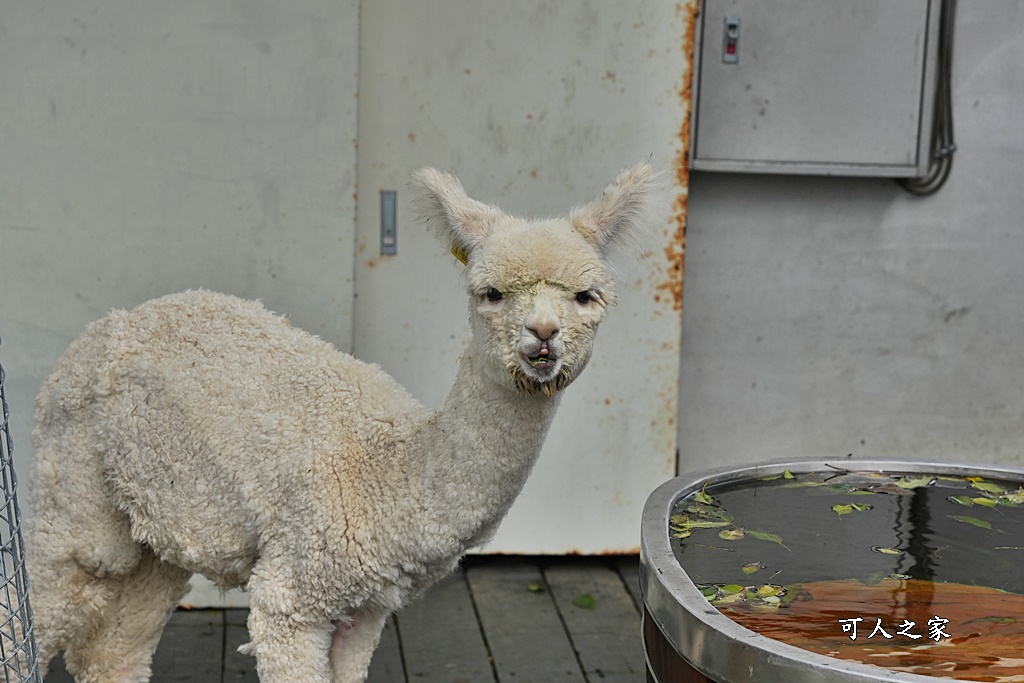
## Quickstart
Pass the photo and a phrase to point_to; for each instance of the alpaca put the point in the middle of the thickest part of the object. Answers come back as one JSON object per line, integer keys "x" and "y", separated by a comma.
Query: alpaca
{"x": 200, "y": 433}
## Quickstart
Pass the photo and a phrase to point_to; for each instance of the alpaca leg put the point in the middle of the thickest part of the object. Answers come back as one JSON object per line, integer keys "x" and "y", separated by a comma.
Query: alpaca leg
{"x": 119, "y": 647}
{"x": 288, "y": 650}
{"x": 353, "y": 644}
{"x": 73, "y": 540}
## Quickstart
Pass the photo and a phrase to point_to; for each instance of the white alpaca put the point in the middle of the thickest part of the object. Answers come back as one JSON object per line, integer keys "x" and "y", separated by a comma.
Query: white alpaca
{"x": 201, "y": 433}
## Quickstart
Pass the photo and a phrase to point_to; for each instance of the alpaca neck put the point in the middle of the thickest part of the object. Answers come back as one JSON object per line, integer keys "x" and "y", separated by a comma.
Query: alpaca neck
{"x": 477, "y": 451}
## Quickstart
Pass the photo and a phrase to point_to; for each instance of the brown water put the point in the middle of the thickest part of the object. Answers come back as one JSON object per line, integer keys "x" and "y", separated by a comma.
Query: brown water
{"x": 807, "y": 559}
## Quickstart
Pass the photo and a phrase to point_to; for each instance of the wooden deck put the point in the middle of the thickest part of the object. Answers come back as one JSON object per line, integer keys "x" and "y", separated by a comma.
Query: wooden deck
{"x": 497, "y": 620}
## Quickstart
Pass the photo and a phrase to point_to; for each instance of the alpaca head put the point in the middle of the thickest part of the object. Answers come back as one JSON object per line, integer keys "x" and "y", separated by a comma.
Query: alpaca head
{"x": 538, "y": 288}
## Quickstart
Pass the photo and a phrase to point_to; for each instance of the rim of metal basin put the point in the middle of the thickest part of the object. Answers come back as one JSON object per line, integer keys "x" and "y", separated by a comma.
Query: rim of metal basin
{"x": 716, "y": 645}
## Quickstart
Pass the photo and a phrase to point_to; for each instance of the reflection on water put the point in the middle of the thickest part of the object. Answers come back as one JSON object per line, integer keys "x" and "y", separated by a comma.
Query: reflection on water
{"x": 912, "y": 573}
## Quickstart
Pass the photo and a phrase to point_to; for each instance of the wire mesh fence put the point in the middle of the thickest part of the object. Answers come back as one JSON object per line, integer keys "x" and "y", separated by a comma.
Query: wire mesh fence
{"x": 19, "y": 658}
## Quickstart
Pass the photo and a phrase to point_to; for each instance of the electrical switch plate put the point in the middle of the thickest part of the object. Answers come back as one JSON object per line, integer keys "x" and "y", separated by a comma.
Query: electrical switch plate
{"x": 731, "y": 40}
{"x": 388, "y": 222}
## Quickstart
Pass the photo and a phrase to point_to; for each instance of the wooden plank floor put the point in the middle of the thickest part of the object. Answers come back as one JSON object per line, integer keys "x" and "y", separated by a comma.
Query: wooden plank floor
{"x": 496, "y": 620}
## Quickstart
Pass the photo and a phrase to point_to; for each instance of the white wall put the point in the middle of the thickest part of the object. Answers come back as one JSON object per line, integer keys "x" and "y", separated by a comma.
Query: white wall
{"x": 148, "y": 147}
{"x": 825, "y": 316}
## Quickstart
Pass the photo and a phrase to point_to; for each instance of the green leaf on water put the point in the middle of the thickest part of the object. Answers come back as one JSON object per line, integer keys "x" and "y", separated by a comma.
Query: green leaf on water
{"x": 765, "y": 536}
{"x": 974, "y": 521}
{"x": 709, "y": 592}
{"x": 731, "y": 589}
{"x": 702, "y": 497}
{"x": 733, "y": 534}
{"x": 708, "y": 525}
{"x": 802, "y": 484}
{"x": 961, "y": 500}
{"x": 584, "y": 601}
{"x": 988, "y": 487}
{"x": 752, "y": 567}
{"x": 984, "y": 502}
{"x": 682, "y": 533}
{"x": 842, "y": 509}
{"x": 786, "y": 474}
{"x": 861, "y": 507}
{"x": 906, "y": 483}
{"x": 886, "y": 551}
{"x": 535, "y": 588}
{"x": 1012, "y": 498}
{"x": 1002, "y": 621}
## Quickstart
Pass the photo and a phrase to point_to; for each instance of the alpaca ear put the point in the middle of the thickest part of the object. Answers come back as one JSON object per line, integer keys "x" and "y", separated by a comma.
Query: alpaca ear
{"x": 622, "y": 214}
{"x": 459, "y": 221}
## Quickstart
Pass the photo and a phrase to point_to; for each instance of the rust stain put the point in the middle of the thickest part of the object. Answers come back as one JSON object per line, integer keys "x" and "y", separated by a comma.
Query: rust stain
{"x": 372, "y": 263}
{"x": 675, "y": 251}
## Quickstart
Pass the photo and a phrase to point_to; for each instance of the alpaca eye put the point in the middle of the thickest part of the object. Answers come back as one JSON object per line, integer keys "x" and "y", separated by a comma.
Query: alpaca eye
{"x": 583, "y": 297}
{"x": 494, "y": 295}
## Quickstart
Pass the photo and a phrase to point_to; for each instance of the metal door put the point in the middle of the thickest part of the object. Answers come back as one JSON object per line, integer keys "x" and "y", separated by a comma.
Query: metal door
{"x": 535, "y": 106}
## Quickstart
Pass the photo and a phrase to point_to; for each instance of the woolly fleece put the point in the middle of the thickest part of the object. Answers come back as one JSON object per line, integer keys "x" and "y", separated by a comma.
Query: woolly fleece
{"x": 202, "y": 433}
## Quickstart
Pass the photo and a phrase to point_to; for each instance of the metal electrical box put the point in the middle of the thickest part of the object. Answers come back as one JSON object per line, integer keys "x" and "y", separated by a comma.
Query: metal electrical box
{"x": 812, "y": 87}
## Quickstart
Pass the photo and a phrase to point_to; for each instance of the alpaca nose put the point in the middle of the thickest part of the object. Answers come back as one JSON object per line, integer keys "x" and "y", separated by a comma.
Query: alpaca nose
{"x": 544, "y": 330}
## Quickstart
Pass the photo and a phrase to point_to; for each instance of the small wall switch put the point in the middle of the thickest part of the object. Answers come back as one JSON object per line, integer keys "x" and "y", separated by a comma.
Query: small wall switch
{"x": 388, "y": 222}
{"x": 731, "y": 40}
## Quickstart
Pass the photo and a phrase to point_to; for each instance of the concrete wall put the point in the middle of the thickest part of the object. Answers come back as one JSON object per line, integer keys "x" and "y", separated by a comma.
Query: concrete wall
{"x": 150, "y": 147}
{"x": 827, "y": 316}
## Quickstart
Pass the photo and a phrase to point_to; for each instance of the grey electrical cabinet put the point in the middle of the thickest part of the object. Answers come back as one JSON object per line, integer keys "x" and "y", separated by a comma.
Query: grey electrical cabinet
{"x": 815, "y": 86}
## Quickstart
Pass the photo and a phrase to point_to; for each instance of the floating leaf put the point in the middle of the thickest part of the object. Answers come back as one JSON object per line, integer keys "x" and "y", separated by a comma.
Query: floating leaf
{"x": 535, "y": 588}
{"x": 709, "y": 592}
{"x": 1014, "y": 498}
{"x": 985, "y": 502}
{"x": 773, "y": 599}
{"x": 730, "y": 599}
{"x": 752, "y": 567}
{"x": 875, "y": 578}
{"x": 961, "y": 500}
{"x": 994, "y": 620}
{"x": 584, "y": 601}
{"x": 861, "y": 507}
{"x": 702, "y": 497}
{"x": 892, "y": 489}
{"x": 886, "y": 551}
{"x": 988, "y": 486}
{"x": 829, "y": 489}
{"x": 842, "y": 509}
{"x": 974, "y": 521}
{"x": 768, "y": 590}
{"x": 906, "y": 483}
{"x": 802, "y": 484}
{"x": 765, "y": 536}
{"x": 708, "y": 525}
{"x": 731, "y": 589}
{"x": 786, "y": 474}
{"x": 682, "y": 533}
{"x": 733, "y": 534}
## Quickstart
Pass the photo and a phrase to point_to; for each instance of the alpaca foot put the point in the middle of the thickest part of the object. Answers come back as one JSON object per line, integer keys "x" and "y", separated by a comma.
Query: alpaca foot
{"x": 353, "y": 644}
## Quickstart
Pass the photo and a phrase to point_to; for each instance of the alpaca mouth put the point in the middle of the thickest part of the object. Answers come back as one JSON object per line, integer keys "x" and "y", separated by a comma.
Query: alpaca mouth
{"x": 541, "y": 362}
{"x": 544, "y": 359}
